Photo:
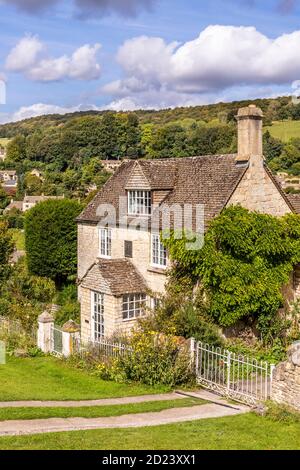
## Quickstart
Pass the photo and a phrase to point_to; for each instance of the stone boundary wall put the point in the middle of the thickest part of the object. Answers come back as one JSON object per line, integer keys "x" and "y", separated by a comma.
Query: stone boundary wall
{"x": 286, "y": 379}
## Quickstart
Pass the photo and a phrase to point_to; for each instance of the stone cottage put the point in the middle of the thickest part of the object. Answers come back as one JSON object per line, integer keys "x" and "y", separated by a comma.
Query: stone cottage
{"x": 122, "y": 265}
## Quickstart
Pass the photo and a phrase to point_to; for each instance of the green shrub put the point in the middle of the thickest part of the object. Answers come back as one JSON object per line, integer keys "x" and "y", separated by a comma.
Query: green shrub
{"x": 282, "y": 413}
{"x": 156, "y": 359}
{"x": 17, "y": 341}
{"x": 273, "y": 354}
{"x": 23, "y": 297}
{"x": 69, "y": 309}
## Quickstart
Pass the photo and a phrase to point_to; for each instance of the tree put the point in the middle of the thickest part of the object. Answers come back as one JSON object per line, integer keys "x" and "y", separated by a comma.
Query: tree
{"x": 32, "y": 185}
{"x": 16, "y": 149}
{"x": 272, "y": 147}
{"x": 4, "y": 199}
{"x": 6, "y": 249}
{"x": 51, "y": 239}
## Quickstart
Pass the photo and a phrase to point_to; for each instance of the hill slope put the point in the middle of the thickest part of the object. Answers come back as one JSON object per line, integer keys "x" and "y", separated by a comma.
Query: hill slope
{"x": 274, "y": 109}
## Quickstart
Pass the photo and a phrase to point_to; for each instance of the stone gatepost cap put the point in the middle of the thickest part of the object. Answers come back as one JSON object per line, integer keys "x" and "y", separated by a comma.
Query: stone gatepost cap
{"x": 250, "y": 111}
{"x": 71, "y": 326}
{"x": 46, "y": 317}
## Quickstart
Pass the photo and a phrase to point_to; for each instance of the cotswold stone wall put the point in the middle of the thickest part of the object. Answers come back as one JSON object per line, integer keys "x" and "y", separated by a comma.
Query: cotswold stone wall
{"x": 286, "y": 379}
{"x": 257, "y": 192}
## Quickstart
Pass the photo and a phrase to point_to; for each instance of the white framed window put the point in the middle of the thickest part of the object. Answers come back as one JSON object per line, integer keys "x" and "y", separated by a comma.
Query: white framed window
{"x": 158, "y": 252}
{"x": 133, "y": 306}
{"x": 97, "y": 315}
{"x": 105, "y": 242}
{"x": 139, "y": 202}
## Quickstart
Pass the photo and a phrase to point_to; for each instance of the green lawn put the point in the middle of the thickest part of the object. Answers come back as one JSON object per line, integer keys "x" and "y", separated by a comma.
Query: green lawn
{"x": 96, "y": 411}
{"x": 49, "y": 378}
{"x": 284, "y": 130}
{"x": 19, "y": 238}
{"x": 237, "y": 433}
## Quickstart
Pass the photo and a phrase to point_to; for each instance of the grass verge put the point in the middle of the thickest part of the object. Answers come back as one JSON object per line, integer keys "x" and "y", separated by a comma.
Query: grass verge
{"x": 240, "y": 432}
{"x": 49, "y": 378}
{"x": 96, "y": 411}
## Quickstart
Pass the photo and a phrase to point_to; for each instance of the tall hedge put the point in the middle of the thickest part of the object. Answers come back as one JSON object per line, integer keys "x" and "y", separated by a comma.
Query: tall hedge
{"x": 6, "y": 249}
{"x": 51, "y": 239}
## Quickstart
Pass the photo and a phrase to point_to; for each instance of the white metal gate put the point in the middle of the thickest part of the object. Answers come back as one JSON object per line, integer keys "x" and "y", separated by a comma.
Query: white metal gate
{"x": 239, "y": 377}
{"x": 56, "y": 340}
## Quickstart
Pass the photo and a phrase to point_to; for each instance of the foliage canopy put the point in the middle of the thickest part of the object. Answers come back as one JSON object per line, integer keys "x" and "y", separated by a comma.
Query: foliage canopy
{"x": 51, "y": 239}
{"x": 246, "y": 259}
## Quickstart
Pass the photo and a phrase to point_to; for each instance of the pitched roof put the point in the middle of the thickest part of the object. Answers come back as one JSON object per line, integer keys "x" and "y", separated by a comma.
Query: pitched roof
{"x": 14, "y": 205}
{"x": 119, "y": 275}
{"x": 36, "y": 199}
{"x": 294, "y": 201}
{"x": 160, "y": 174}
{"x": 208, "y": 180}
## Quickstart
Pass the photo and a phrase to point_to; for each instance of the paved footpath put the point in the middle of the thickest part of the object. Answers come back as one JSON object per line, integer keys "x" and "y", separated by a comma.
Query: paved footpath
{"x": 175, "y": 415}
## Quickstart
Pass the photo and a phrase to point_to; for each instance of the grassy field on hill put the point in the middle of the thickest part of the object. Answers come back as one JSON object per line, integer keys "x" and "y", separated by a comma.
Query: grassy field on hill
{"x": 4, "y": 141}
{"x": 284, "y": 130}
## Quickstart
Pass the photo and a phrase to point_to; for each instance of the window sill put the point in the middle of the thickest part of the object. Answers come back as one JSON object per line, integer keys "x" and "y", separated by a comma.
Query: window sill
{"x": 132, "y": 319}
{"x": 156, "y": 269}
{"x": 104, "y": 257}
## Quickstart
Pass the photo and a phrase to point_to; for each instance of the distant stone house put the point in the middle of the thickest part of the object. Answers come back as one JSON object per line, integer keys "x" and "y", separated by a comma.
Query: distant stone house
{"x": 9, "y": 176}
{"x": 37, "y": 173}
{"x": 122, "y": 266}
{"x": 28, "y": 202}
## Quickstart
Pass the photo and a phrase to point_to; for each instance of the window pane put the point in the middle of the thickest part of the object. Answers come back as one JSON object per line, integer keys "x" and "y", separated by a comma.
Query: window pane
{"x": 139, "y": 202}
{"x": 133, "y": 305}
{"x": 159, "y": 252}
{"x": 105, "y": 242}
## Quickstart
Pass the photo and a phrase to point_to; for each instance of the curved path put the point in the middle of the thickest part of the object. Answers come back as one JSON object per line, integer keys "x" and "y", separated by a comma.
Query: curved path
{"x": 175, "y": 415}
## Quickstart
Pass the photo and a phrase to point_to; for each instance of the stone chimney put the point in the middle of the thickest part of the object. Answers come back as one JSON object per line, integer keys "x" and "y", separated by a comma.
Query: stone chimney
{"x": 249, "y": 133}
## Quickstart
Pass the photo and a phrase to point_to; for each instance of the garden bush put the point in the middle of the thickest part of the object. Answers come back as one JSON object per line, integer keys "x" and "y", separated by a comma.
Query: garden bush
{"x": 150, "y": 358}
{"x": 156, "y": 359}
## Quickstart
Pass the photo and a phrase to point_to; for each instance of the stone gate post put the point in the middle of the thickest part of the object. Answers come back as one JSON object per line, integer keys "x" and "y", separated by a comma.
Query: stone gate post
{"x": 286, "y": 379}
{"x": 44, "y": 337}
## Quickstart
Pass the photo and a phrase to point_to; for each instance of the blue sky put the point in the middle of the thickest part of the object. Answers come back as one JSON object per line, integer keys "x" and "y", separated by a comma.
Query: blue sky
{"x": 127, "y": 54}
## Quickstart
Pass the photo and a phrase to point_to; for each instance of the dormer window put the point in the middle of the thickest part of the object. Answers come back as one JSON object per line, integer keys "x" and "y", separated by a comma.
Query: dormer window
{"x": 139, "y": 202}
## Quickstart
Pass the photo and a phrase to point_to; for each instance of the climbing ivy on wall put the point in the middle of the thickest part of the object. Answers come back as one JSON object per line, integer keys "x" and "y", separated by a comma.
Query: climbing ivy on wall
{"x": 246, "y": 259}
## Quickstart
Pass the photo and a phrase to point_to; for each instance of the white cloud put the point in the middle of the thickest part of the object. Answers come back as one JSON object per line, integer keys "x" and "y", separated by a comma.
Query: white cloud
{"x": 220, "y": 58}
{"x": 30, "y": 57}
{"x": 39, "y": 109}
{"x": 25, "y": 54}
